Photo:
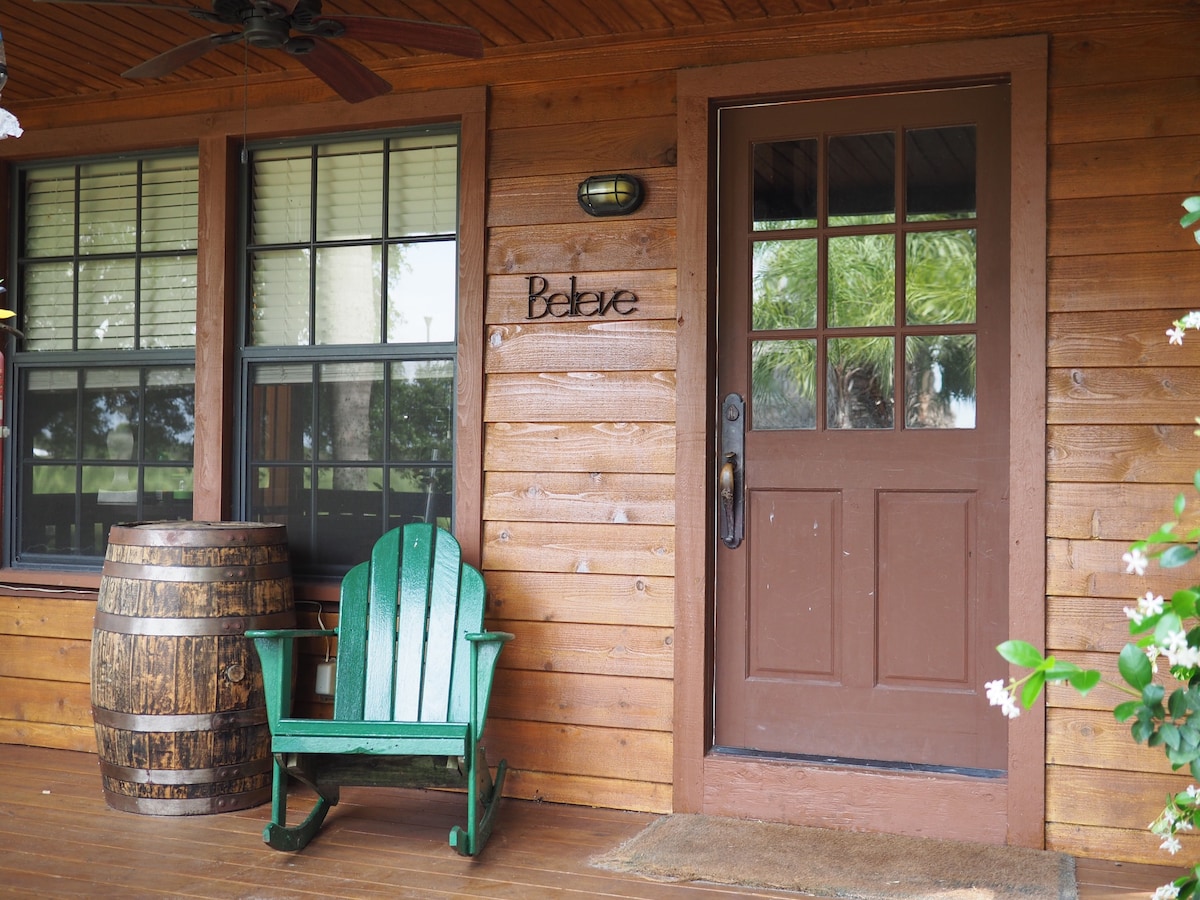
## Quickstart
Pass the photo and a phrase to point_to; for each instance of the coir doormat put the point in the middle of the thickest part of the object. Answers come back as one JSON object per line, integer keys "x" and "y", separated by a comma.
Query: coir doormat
{"x": 839, "y": 863}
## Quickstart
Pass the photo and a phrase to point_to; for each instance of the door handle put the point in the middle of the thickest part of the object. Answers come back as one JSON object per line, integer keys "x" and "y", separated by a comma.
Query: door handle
{"x": 731, "y": 475}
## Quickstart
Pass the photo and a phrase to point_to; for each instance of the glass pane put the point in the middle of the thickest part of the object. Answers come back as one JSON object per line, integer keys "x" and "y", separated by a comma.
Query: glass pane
{"x": 169, "y": 422}
{"x": 106, "y": 304}
{"x": 421, "y": 494}
{"x": 108, "y": 207}
{"x": 279, "y": 294}
{"x": 281, "y": 207}
{"x": 350, "y": 419}
{"x": 48, "y": 415}
{"x": 423, "y": 185}
{"x": 168, "y": 317}
{"x": 347, "y": 295}
{"x": 48, "y": 320}
{"x": 862, "y": 281}
{"x": 282, "y": 494}
{"x": 50, "y": 211}
{"x": 939, "y": 377}
{"x": 783, "y": 391}
{"x": 281, "y": 412}
{"x": 170, "y": 193}
{"x": 862, "y": 179}
{"x": 422, "y": 411}
{"x": 349, "y": 519}
{"x": 785, "y": 284}
{"x": 939, "y": 168}
{"x": 859, "y": 377}
{"x": 48, "y": 510}
{"x": 939, "y": 279}
{"x": 350, "y": 191}
{"x": 422, "y": 292}
{"x": 785, "y": 184}
{"x": 110, "y": 414}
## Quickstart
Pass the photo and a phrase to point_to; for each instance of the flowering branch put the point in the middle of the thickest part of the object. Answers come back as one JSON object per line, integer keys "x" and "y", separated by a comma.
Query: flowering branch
{"x": 1162, "y": 629}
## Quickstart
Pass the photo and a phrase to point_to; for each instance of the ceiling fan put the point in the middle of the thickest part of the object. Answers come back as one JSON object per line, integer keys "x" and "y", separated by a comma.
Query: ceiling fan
{"x": 297, "y": 27}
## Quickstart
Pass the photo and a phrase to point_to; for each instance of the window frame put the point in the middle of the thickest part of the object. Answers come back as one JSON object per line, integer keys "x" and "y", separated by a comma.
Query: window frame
{"x": 219, "y": 138}
{"x": 19, "y": 364}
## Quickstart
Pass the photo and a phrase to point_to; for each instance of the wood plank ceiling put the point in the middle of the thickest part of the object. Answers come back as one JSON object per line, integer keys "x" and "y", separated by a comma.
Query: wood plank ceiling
{"x": 75, "y": 50}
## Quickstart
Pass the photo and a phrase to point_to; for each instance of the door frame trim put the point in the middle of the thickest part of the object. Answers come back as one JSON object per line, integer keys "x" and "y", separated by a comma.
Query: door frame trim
{"x": 1006, "y": 810}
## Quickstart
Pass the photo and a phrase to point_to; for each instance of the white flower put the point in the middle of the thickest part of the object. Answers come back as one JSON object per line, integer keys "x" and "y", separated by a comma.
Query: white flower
{"x": 1192, "y": 791}
{"x": 1135, "y": 562}
{"x": 1171, "y": 845}
{"x": 1152, "y": 655}
{"x": 1191, "y": 320}
{"x": 1179, "y": 653}
{"x": 1166, "y": 892}
{"x": 1175, "y": 335}
{"x": 999, "y": 695}
{"x": 1149, "y": 605}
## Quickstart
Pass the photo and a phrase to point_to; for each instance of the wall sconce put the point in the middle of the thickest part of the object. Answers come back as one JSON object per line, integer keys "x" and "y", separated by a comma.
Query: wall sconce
{"x": 610, "y": 195}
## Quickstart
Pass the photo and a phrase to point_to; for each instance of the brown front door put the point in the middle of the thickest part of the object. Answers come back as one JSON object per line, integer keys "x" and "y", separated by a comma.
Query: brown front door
{"x": 861, "y": 568}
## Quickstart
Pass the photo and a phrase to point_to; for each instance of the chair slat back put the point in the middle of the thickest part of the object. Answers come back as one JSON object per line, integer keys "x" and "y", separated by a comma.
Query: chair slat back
{"x": 405, "y": 614}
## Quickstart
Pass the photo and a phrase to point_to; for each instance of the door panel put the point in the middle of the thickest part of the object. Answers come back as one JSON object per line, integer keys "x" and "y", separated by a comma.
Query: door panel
{"x": 863, "y": 313}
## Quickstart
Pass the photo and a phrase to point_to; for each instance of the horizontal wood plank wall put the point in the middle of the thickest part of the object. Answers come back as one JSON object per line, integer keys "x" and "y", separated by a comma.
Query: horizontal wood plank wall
{"x": 579, "y": 430}
{"x": 45, "y": 660}
{"x": 579, "y": 443}
{"x": 1121, "y": 402}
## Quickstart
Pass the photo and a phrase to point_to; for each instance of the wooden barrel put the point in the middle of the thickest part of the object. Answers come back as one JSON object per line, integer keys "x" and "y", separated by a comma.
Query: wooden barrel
{"x": 177, "y": 694}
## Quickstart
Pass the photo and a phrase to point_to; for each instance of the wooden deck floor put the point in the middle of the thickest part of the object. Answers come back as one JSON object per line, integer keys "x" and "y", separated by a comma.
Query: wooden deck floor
{"x": 58, "y": 838}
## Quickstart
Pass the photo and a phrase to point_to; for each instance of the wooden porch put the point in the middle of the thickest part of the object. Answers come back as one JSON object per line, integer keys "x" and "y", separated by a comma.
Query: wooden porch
{"x": 60, "y": 839}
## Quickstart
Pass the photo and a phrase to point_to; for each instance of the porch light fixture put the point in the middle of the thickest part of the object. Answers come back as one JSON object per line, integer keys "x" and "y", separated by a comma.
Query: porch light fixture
{"x": 610, "y": 195}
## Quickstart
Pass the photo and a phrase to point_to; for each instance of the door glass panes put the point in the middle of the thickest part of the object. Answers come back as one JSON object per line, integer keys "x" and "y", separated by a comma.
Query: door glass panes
{"x": 785, "y": 184}
{"x": 939, "y": 379}
{"x": 859, "y": 311}
{"x": 862, "y": 281}
{"x": 939, "y": 277}
{"x": 862, "y": 179}
{"x": 939, "y": 166}
{"x": 784, "y": 287}
{"x": 783, "y": 389}
{"x": 859, "y": 382}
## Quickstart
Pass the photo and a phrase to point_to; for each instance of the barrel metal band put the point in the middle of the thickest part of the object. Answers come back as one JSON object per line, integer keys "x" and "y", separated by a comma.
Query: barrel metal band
{"x": 193, "y": 806}
{"x": 218, "y": 721}
{"x": 190, "y": 627}
{"x": 196, "y": 574}
{"x": 185, "y": 776}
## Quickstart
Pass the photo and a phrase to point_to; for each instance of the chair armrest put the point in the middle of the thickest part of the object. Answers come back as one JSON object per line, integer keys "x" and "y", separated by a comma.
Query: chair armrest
{"x": 292, "y": 633}
{"x": 502, "y": 637}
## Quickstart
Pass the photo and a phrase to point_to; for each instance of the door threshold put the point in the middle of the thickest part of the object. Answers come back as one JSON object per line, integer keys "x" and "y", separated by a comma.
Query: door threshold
{"x": 849, "y": 762}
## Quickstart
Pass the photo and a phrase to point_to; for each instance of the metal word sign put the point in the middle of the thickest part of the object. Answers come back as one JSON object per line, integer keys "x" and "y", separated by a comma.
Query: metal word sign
{"x": 574, "y": 302}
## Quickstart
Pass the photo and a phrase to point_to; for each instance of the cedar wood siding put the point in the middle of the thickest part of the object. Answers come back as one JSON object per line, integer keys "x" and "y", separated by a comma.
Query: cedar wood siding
{"x": 578, "y": 438}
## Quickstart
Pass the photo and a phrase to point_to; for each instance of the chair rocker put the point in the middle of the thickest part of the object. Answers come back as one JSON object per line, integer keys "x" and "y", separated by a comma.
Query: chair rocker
{"x": 414, "y": 674}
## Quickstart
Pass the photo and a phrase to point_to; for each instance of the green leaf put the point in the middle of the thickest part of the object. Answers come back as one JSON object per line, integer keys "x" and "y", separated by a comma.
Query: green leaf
{"x": 1184, "y": 602}
{"x": 1180, "y": 505}
{"x": 1142, "y": 731}
{"x": 1033, "y": 687}
{"x": 1123, "y": 712}
{"x": 1177, "y": 705}
{"x": 1196, "y": 480}
{"x": 1170, "y": 735}
{"x": 1168, "y": 623}
{"x": 1134, "y": 667}
{"x": 1084, "y": 681}
{"x": 1021, "y": 653}
{"x": 1176, "y": 556}
{"x": 1152, "y": 696}
{"x": 1192, "y": 204}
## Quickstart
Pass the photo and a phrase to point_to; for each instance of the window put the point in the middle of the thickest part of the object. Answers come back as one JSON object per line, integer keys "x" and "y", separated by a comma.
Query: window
{"x": 349, "y": 345}
{"x": 106, "y": 275}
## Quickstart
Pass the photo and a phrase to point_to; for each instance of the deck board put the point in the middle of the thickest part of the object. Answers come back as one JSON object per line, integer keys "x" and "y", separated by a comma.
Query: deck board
{"x": 60, "y": 839}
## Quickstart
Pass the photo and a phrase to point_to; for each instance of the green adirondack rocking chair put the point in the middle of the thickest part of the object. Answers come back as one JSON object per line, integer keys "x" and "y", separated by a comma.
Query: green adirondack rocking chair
{"x": 414, "y": 674}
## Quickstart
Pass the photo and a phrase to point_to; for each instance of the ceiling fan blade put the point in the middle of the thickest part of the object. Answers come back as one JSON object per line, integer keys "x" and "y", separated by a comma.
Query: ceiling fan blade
{"x": 353, "y": 81}
{"x": 166, "y": 63}
{"x": 460, "y": 40}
